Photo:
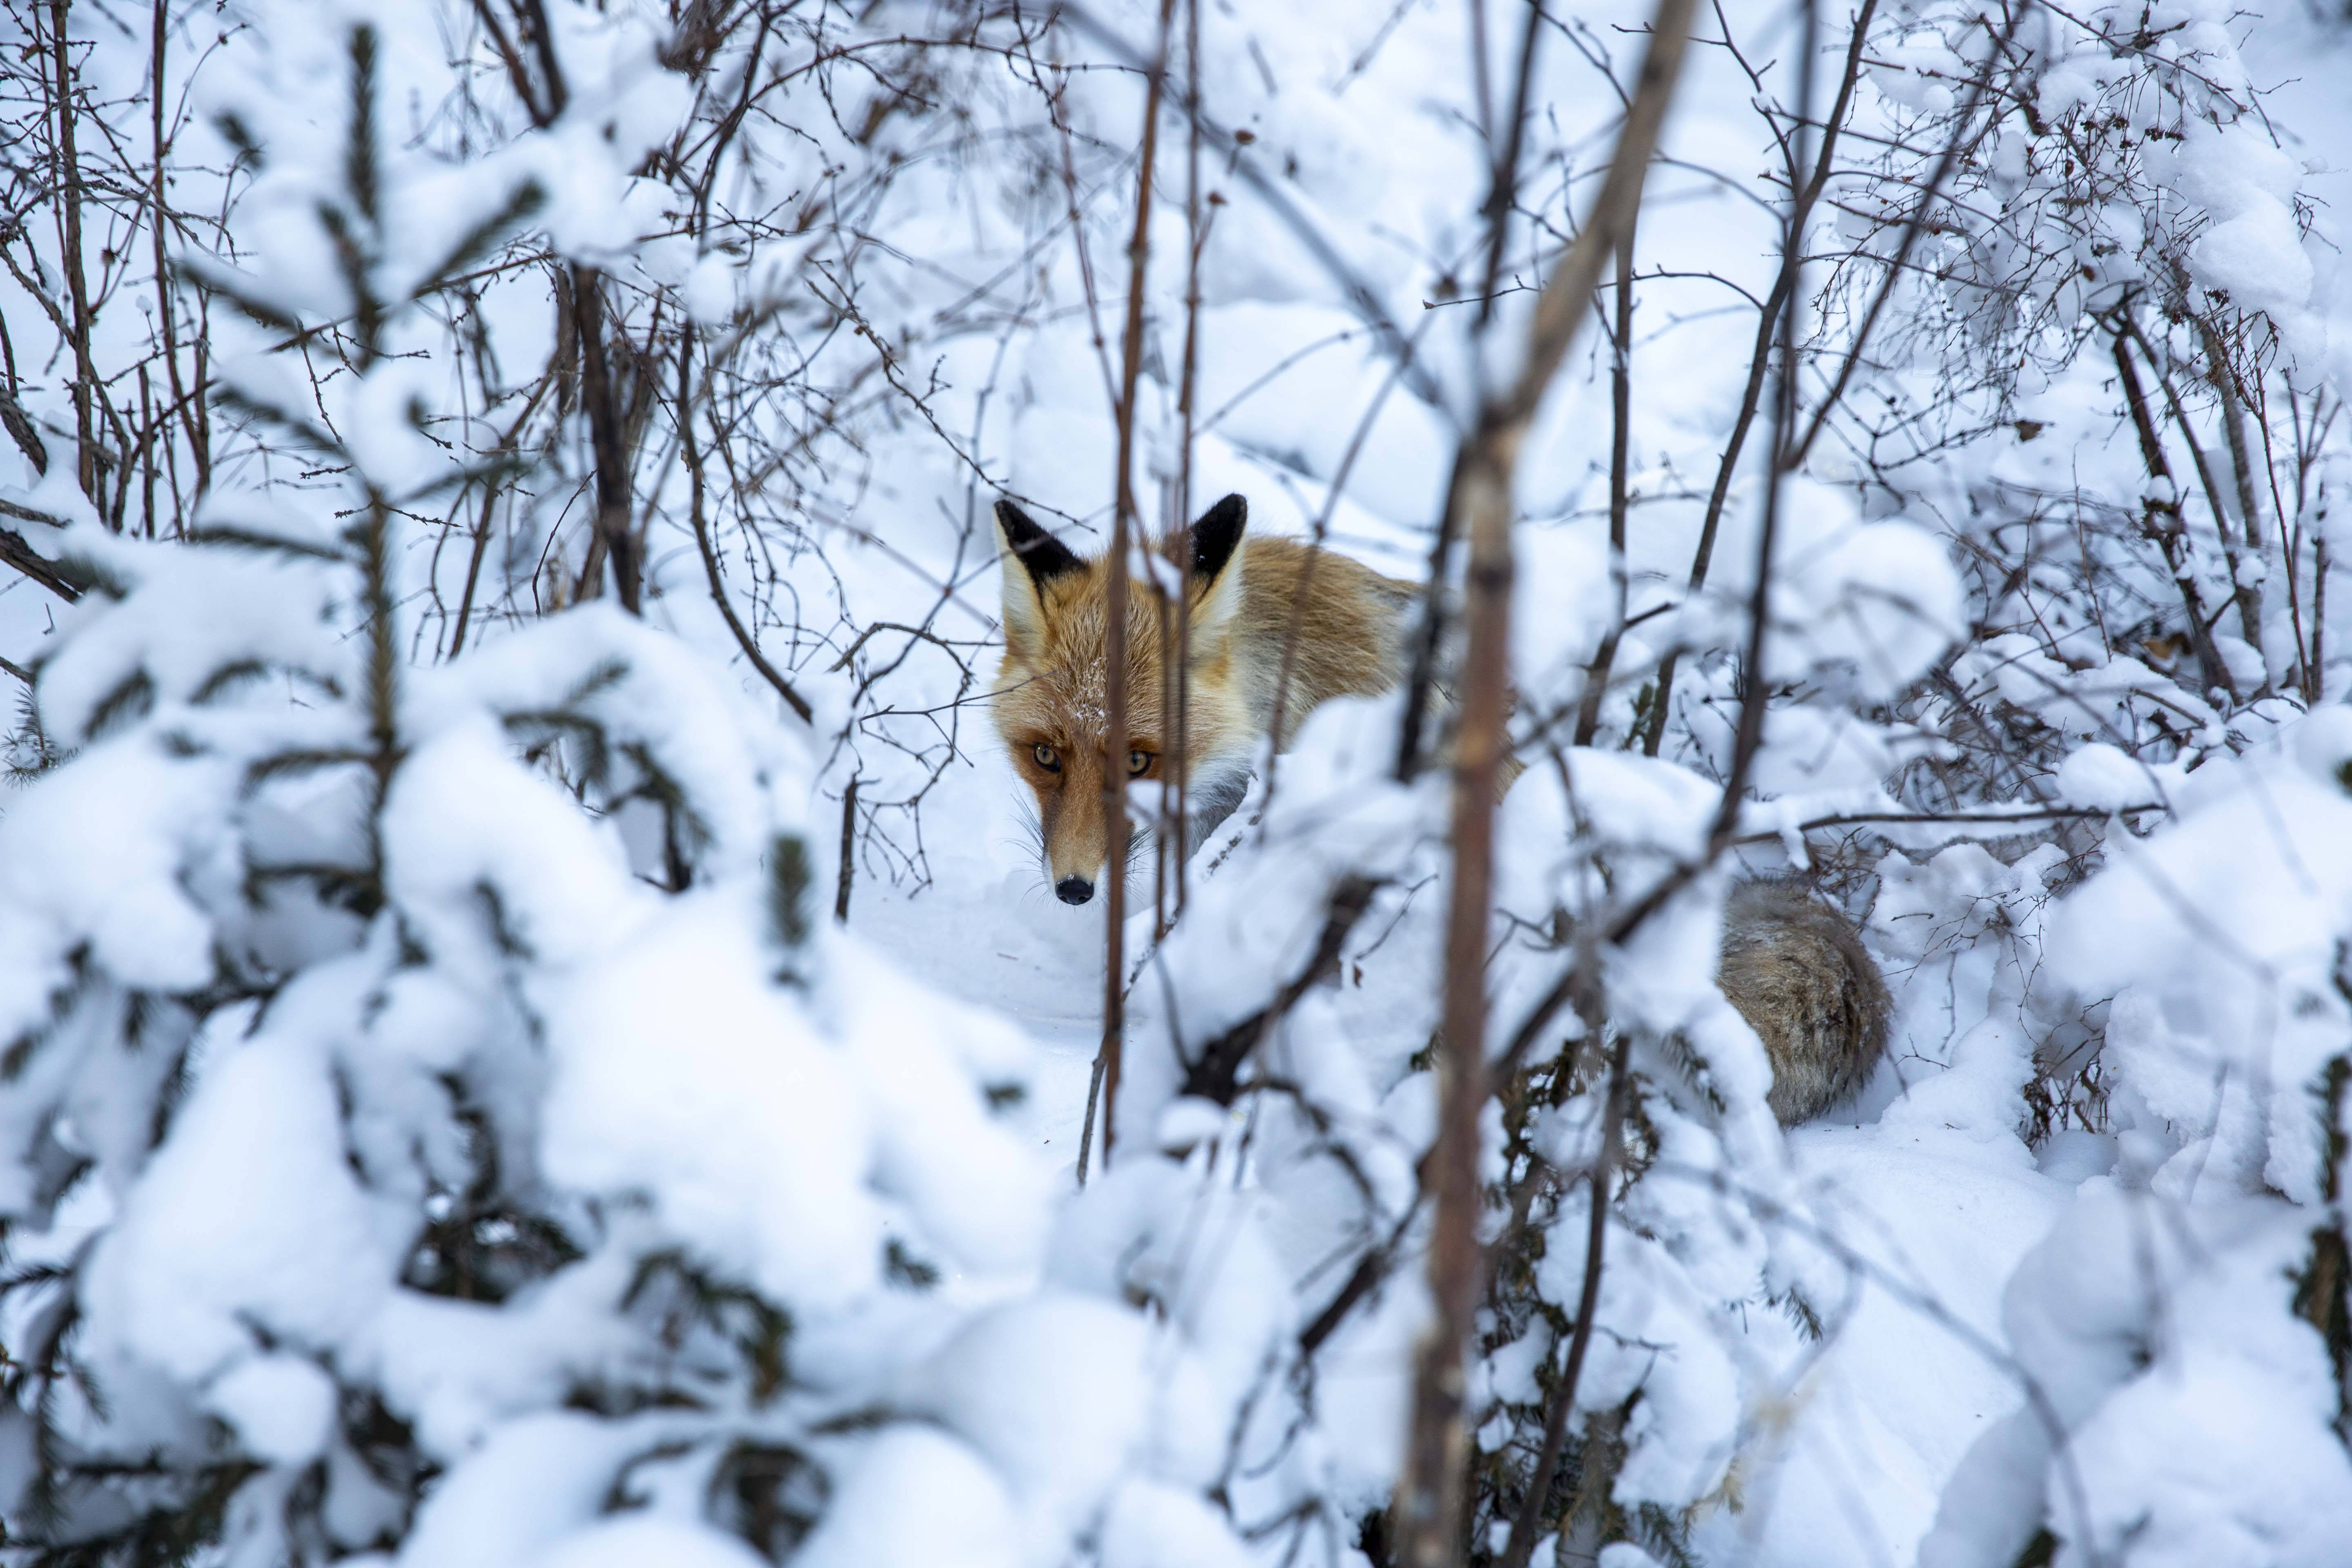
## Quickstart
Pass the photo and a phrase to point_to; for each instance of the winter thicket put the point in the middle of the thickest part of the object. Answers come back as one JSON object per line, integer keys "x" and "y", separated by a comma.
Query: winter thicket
{"x": 528, "y": 1030}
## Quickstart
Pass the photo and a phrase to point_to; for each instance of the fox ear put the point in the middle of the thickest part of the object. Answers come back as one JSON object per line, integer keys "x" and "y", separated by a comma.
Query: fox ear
{"x": 1029, "y": 558}
{"x": 1216, "y": 535}
{"x": 1216, "y": 539}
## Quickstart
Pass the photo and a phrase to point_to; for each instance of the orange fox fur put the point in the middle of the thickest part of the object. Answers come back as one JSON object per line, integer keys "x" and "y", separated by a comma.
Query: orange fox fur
{"x": 1790, "y": 964}
{"x": 1240, "y": 598}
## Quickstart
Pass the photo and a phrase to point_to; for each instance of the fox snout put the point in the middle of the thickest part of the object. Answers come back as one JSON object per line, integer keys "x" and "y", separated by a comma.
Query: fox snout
{"x": 1072, "y": 816}
{"x": 1072, "y": 829}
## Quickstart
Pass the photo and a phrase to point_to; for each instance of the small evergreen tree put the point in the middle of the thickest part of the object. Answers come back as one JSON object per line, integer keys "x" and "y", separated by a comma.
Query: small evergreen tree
{"x": 434, "y": 1111}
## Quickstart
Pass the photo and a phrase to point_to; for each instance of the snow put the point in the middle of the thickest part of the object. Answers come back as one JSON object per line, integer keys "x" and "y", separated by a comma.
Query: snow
{"x": 534, "y": 1482}
{"x": 2111, "y": 1289}
{"x": 2251, "y": 248}
{"x": 2102, "y": 775}
{"x": 2214, "y": 938}
{"x": 674, "y": 1047}
{"x": 629, "y": 1542}
{"x": 74, "y": 875}
{"x": 457, "y": 1369}
{"x": 1151, "y": 1526}
{"x": 249, "y": 1222}
{"x": 1065, "y": 1396}
{"x": 2254, "y": 1493}
{"x": 1872, "y": 1423}
{"x": 938, "y": 1145}
{"x": 1887, "y": 602}
{"x": 274, "y": 606}
{"x": 915, "y": 1498}
{"x": 278, "y": 1404}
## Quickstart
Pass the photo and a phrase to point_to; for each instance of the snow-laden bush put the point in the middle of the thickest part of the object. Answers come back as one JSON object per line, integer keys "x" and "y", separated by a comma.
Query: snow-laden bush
{"x": 438, "y": 1119}
{"x": 402, "y": 1128}
{"x": 2184, "y": 1329}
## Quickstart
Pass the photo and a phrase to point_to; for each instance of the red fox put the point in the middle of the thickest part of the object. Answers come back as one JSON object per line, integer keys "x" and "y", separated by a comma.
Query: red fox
{"x": 1791, "y": 965}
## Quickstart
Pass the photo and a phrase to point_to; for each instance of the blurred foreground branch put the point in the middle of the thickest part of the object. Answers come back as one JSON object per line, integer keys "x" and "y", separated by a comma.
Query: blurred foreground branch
{"x": 1479, "y": 505}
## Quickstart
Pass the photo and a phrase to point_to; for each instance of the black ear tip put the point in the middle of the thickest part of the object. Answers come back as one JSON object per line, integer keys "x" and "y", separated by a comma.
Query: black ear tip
{"x": 1021, "y": 530}
{"x": 1217, "y": 534}
{"x": 1045, "y": 555}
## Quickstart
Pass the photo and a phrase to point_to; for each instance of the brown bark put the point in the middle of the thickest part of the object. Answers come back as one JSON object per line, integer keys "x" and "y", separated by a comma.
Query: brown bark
{"x": 17, "y": 554}
{"x": 848, "y": 874}
{"x": 2233, "y": 430}
{"x": 615, "y": 539}
{"x": 86, "y": 460}
{"x": 2169, "y": 535}
{"x": 1124, "y": 520}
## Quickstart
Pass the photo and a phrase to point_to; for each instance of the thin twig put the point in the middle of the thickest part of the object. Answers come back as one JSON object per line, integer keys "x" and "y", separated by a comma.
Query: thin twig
{"x": 615, "y": 539}
{"x": 1522, "y": 1543}
{"x": 2249, "y": 591}
{"x": 1087, "y": 1134}
{"x": 849, "y": 851}
{"x": 1621, "y": 416}
{"x": 1912, "y": 229}
{"x": 1124, "y": 520}
{"x": 1777, "y": 305}
{"x": 1176, "y": 777}
{"x": 1216, "y": 1073}
{"x": 2170, "y": 537}
{"x": 696, "y": 514}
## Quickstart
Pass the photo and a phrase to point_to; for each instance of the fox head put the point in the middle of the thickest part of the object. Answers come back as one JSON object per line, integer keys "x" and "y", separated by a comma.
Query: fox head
{"x": 1051, "y": 701}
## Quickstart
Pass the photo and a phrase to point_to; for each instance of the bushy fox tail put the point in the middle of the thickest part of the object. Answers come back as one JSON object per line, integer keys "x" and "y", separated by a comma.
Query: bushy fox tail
{"x": 1797, "y": 973}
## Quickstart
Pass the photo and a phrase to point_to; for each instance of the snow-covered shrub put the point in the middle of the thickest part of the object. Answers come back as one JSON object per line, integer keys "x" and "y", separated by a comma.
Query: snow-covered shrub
{"x": 2110, "y": 158}
{"x": 409, "y": 1141}
{"x": 438, "y": 1119}
{"x": 2184, "y": 1327}
{"x": 2097, "y": 239}
{"x": 2128, "y": 437}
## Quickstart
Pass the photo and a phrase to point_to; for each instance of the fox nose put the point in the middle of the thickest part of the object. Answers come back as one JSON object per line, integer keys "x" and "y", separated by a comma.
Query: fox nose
{"x": 1074, "y": 889}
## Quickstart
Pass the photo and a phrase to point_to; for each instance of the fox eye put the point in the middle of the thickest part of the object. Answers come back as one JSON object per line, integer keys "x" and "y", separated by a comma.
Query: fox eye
{"x": 1139, "y": 763}
{"x": 1047, "y": 758}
